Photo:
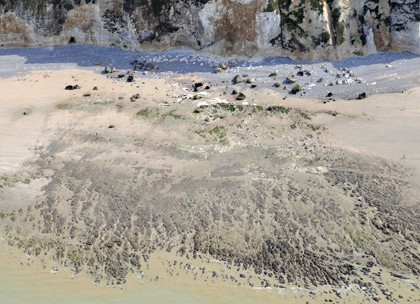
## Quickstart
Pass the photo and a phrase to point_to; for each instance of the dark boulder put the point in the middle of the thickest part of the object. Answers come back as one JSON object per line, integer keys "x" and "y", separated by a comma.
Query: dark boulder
{"x": 241, "y": 96}
{"x": 237, "y": 79}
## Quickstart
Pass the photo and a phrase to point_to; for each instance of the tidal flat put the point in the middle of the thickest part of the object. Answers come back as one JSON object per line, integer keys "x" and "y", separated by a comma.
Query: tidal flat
{"x": 168, "y": 186}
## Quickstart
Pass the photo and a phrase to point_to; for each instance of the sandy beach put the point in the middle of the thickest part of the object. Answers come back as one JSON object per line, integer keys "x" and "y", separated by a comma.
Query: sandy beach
{"x": 169, "y": 189}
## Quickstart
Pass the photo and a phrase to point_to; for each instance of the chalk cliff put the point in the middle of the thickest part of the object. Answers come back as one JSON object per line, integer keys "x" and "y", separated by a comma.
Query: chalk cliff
{"x": 306, "y": 29}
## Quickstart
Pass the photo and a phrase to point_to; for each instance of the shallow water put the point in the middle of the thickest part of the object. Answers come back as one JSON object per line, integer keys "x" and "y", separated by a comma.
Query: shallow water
{"x": 177, "y": 60}
{"x": 20, "y": 292}
{"x": 22, "y": 287}
{"x": 25, "y": 281}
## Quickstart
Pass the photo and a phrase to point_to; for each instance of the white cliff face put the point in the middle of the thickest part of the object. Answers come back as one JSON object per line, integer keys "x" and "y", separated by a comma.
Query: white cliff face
{"x": 407, "y": 40}
{"x": 84, "y": 23}
{"x": 267, "y": 28}
{"x": 307, "y": 29}
{"x": 209, "y": 16}
{"x": 15, "y": 32}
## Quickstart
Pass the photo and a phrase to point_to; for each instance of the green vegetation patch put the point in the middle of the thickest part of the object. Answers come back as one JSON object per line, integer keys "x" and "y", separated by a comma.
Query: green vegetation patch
{"x": 63, "y": 106}
{"x": 145, "y": 113}
{"x": 256, "y": 108}
{"x": 172, "y": 114}
{"x": 332, "y": 113}
{"x": 281, "y": 109}
{"x": 313, "y": 127}
{"x": 217, "y": 134}
{"x": 226, "y": 106}
{"x": 303, "y": 114}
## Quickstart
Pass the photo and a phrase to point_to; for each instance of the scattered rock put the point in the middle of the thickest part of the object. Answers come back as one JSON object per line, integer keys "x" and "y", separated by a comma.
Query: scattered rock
{"x": 377, "y": 223}
{"x": 197, "y": 85}
{"x": 87, "y": 94}
{"x": 149, "y": 66}
{"x": 135, "y": 97}
{"x": 237, "y": 79}
{"x": 203, "y": 105}
{"x": 396, "y": 275}
{"x": 291, "y": 80}
{"x": 234, "y": 92}
{"x": 71, "y": 87}
{"x": 241, "y": 96}
{"x": 330, "y": 94}
{"x": 296, "y": 89}
{"x": 111, "y": 126}
{"x": 218, "y": 70}
{"x": 130, "y": 78}
{"x": 95, "y": 88}
{"x": 362, "y": 96}
{"x": 138, "y": 65}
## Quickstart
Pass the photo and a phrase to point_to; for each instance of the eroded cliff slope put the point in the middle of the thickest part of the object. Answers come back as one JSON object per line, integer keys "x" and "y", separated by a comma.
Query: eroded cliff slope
{"x": 309, "y": 29}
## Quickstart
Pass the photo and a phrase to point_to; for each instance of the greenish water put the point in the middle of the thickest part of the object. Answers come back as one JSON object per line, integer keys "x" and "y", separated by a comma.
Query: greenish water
{"x": 23, "y": 285}
{"x": 25, "y": 281}
{"x": 12, "y": 294}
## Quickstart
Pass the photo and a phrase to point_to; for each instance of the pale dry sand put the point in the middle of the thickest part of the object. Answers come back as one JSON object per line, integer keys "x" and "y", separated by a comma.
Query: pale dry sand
{"x": 39, "y": 93}
{"x": 383, "y": 125}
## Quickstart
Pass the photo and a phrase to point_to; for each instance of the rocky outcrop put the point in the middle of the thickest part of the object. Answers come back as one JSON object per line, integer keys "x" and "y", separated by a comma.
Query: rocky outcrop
{"x": 308, "y": 29}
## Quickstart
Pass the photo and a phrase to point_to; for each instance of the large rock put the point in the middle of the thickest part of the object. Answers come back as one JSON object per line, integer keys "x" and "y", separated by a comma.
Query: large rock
{"x": 301, "y": 29}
